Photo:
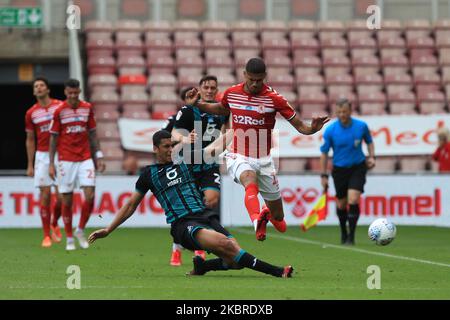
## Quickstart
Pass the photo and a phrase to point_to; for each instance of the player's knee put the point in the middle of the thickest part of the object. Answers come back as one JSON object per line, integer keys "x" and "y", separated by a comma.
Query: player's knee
{"x": 228, "y": 247}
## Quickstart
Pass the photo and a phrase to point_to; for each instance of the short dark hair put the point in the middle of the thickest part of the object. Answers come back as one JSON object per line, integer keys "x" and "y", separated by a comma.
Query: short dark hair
{"x": 160, "y": 135}
{"x": 72, "y": 83}
{"x": 343, "y": 101}
{"x": 208, "y": 77}
{"x": 43, "y": 79}
{"x": 255, "y": 66}
{"x": 184, "y": 92}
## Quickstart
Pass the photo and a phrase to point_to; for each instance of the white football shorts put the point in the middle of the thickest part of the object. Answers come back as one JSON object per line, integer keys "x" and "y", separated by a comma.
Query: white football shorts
{"x": 71, "y": 175}
{"x": 41, "y": 164}
{"x": 265, "y": 171}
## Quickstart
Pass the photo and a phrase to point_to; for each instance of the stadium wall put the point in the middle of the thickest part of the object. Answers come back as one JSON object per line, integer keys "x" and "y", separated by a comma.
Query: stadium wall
{"x": 405, "y": 199}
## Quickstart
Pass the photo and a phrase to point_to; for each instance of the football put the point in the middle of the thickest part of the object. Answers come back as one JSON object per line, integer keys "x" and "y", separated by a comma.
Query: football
{"x": 382, "y": 231}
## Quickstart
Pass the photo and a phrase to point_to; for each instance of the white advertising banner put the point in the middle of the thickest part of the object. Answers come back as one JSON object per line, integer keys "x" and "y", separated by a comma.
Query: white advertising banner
{"x": 19, "y": 204}
{"x": 425, "y": 201}
{"x": 393, "y": 135}
{"x": 405, "y": 200}
{"x": 137, "y": 135}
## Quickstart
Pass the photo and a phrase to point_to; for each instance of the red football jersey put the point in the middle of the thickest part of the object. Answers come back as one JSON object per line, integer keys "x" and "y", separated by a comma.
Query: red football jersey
{"x": 73, "y": 126}
{"x": 442, "y": 155}
{"x": 254, "y": 118}
{"x": 38, "y": 119}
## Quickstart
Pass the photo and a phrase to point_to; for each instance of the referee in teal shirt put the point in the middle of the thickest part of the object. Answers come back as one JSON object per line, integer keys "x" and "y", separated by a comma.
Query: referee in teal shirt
{"x": 350, "y": 165}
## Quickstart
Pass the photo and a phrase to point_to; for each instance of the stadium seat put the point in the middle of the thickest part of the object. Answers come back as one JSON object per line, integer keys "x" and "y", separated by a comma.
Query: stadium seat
{"x": 412, "y": 164}
{"x": 313, "y": 164}
{"x": 431, "y": 102}
{"x": 106, "y": 114}
{"x": 104, "y": 98}
{"x": 101, "y": 47}
{"x": 216, "y": 43}
{"x": 305, "y": 46}
{"x": 108, "y": 130}
{"x": 310, "y": 80}
{"x": 398, "y": 83}
{"x": 131, "y": 65}
{"x": 157, "y": 27}
{"x": 247, "y": 43}
{"x": 188, "y": 80}
{"x": 369, "y": 83}
{"x": 134, "y": 108}
{"x": 385, "y": 165}
{"x": 186, "y": 25}
{"x": 312, "y": 104}
{"x": 215, "y": 26}
{"x": 371, "y": 101}
{"x": 161, "y": 65}
{"x": 130, "y": 25}
{"x": 138, "y": 114}
{"x": 191, "y": 9}
{"x": 162, "y": 80}
{"x": 292, "y": 165}
{"x": 251, "y": 9}
{"x": 102, "y": 80}
{"x": 164, "y": 97}
{"x": 224, "y": 62}
{"x": 279, "y": 81}
{"x": 402, "y": 103}
{"x": 336, "y": 65}
{"x": 98, "y": 26}
{"x": 158, "y": 41}
{"x": 114, "y": 167}
{"x": 112, "y": 152}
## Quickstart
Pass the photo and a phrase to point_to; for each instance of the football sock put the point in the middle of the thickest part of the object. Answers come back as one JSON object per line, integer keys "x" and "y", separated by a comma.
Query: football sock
{"x": 56, "y": 213}
{"x": 66, "y": 212}
{"x": 85, "y": 213}
{"x": 215, "y": 265}
{"x": 246, "y": 260}
{"x": 353, "y": 216}
{"x": 342, "y": 215}
{"x": 176, "y": 246}
{"x": 251, "y": 201}
{"x": 45, "y": 217}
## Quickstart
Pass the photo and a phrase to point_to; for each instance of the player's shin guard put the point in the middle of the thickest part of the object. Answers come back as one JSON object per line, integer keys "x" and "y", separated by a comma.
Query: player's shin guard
{"x": 251, "y": 201}
{"x": 56, "y": 213}
{"x": 353, "y": 216}
{"x": 45, "y": 217}
{"x": 66, "y": 212}
{"x": 246, "y": 260}
{"x": 86, "y": 211}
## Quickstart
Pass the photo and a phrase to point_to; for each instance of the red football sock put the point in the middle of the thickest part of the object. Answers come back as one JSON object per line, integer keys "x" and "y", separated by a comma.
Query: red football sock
{"x": 251, "y": 201}
{"x": 66, "y": 212}
{"x": 279, "y": 225}
{"x": 45, "y": 217}
{"x": 85, "y": 214}
{"x": 56, "y": 213}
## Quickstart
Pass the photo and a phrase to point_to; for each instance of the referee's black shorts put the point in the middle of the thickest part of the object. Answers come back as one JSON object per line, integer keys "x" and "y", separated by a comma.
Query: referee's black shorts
{"x": 183, "y": 230}
{"x": 349, "y": 178}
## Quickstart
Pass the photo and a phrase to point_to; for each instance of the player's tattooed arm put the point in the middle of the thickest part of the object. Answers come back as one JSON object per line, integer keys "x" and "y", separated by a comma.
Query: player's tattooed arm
{"x": 52, "y": 152}
{"x": 124, "y": 213}
{"x": 95, "y": 150}
{"x": 30, "y": 144}
{"x": 316, "y": 124}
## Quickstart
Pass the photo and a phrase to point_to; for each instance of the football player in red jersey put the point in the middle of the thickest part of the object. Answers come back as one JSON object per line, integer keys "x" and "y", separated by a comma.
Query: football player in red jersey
{"x": 74, "y": 136}
{"x": 37, "y": 123}
{"x": 253, "y": 106}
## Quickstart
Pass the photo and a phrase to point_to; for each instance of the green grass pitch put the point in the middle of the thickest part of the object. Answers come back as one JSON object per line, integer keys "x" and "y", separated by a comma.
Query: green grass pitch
{"x": 134, "y": 264}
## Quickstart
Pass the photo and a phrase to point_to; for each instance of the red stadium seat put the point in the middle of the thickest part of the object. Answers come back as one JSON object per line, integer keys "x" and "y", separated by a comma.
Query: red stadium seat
{"x": 305, "y": 46}
{"x": 251, "y": 9}
{"x": 136, "y": 9}
{"x": 398, "y": 83}
{"x": 108, "y": 131}
{"x": 165, "y": 97}
{"x": 106, "y": 114}
{"x": 191, "y": 9}
{"x": 215, "y": 26}
{"x": 134, "y": 108}
{"x": 162, "y": 80}
{"x": 161, "y": 65}
{"x": 292, "y": 165}
{"x": 385, "y": 165}
{"x": 102, "y": 80}
{"x": 310, "y": 89}
{"x": 431, "y": 102}
{"x": 141, "y": 114}
{"x": 128, "y": 26}
{"x": 279, "y": 80}
{"x": 311, "y": 80}
{"x": 302, "y": 25}
{"x": 103, "y": 47}
{"x": 105, "y": 65}
{"x": 402, "y": 102}
{"x": 189, "y": 43}
{"x": 157, "y": 27}
{"x": 186, "y": 26}
{"x": 412, "y": 164}
{"x": 188, "y": 80}
{"x": 98, "y": 26}
{"x": 249, "y": 43}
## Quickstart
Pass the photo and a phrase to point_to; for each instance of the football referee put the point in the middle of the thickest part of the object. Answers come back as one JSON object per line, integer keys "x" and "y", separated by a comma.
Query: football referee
{"x": 350, "y": 165}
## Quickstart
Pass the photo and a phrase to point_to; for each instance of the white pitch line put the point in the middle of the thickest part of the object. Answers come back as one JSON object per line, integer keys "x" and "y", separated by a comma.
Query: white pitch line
{"x": 349, "y": 248}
